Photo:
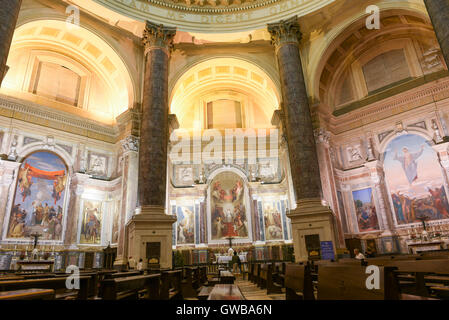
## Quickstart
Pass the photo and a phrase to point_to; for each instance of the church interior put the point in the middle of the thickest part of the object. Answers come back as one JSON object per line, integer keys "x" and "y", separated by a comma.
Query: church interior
{"x": 224, "y": 149}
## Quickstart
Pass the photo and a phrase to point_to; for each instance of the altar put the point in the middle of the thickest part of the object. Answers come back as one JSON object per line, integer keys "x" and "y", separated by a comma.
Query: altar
{"x": 225, "y": 259}
{"x": 423, "y": 246}
{"x": 35, "y": 265}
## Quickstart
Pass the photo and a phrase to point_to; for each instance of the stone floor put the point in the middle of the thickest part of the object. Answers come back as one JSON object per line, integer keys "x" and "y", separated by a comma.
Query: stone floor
{"x": 252, "y": 292}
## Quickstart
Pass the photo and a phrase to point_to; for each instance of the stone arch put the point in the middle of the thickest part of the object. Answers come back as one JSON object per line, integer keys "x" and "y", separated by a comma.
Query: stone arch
{"x": 206, "y": 77}
{"x": 84, "y": 46}
{"x": 350, "y": 39}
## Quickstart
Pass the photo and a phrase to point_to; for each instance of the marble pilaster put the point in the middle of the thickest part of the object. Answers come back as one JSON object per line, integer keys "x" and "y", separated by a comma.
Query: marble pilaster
{"x": 76, "y": 190}
{"x": 384, "y": 212}
{"x": 8, "y": 173}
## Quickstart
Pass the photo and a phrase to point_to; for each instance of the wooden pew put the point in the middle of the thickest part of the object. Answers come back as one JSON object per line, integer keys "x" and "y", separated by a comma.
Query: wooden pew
{"x": 188, "y": 290}
{"x": 57, "y": 283}
{"x": 263, "y": 274}
{"x": 203, "y": 275}
{"x": 346, "y": 282}
{"x": 279, "y": 273}
{"x": 256, "y": 274}
{"x": 28, "y": 294}
{"x": 416, "y": 277}
{"x": 195, "y": 275}
{"x": 298, "y": 282}
{"x": 132, "y": 287}
{"x": 117, "y": 275}
{"x": 251, "y": 268}
{"x": 171, "y": 285}
{"x": 272, "y": 287}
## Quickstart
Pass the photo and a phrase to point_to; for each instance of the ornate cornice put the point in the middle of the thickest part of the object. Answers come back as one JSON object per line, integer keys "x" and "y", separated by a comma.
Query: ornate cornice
{"x": 213, "y": 6}
{"x": 59, "y": 120}
{"x": 426, "y": 94}
{"x": 285, "y": 31}
{"x": 158, "y": 36}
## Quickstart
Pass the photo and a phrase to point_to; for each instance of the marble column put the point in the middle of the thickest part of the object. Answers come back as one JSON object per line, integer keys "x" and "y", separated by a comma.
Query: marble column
{"x": 310, "y": 216}
{"x": 439, "y": 14}
{"x": 152, "y": 224}
{"x": 9, "y": 12}
{"x": 154, "y": 124}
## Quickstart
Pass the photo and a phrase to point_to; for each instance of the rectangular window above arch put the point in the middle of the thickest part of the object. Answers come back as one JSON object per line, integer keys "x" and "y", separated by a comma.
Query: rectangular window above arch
{"x": 57, "y": 82}
{"x": 386, "y": 69}
{"x": 223, "y": 114}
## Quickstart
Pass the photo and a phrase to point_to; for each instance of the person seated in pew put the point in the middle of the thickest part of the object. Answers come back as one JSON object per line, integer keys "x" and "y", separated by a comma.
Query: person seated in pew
{"x": 358, "y": 255}
{"x": 369, "y": 253}
{"x": 140, "y": 265}
{"x": 131, "y": 263}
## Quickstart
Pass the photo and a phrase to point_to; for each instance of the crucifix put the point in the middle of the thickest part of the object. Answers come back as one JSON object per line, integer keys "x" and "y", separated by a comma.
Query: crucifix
{"x": 36, "y": 237}
{"x": 230, "y": 241}
{"x": 423, "y": 220}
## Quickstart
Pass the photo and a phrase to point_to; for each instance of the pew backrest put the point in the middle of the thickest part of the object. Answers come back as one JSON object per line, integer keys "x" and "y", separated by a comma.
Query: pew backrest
{"x": 346, "y": 282}
{"x": 120, "y": 288}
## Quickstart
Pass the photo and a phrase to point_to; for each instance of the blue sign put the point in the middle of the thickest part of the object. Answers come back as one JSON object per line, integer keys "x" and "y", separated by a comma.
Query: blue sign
{"x": 327, "y": 250}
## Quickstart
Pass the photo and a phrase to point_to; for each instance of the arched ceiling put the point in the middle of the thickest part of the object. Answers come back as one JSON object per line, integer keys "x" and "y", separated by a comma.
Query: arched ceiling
{"x": 210, "y": 77}
{"x": 204, "y": 16}
{"x": 84, "y": 47}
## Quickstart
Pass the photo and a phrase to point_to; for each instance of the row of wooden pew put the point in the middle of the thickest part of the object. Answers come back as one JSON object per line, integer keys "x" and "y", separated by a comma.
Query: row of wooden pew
{"x": 106, "y": 284}
{"x": 402, "y": 277}
{"x": 350, "y": 279}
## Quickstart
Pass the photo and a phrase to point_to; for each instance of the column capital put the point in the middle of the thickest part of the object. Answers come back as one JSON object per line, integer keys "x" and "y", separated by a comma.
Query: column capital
{"x": 285, "y": 31}
{"x": 158, "y": 36}
{"x": 322, "y": 136}
{"x": 130, "y": 143}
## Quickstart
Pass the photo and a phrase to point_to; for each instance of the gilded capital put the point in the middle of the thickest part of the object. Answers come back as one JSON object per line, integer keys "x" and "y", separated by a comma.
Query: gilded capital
{"x": 285, "y": 31}
{"x": 158, "y": 36}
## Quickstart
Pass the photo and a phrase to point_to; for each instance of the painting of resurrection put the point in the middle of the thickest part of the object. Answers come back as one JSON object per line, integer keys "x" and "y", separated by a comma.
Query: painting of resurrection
{"x": 185, "y": 225}
{"x": 365, "y": 210}
{"x": 227, "y": 205}
{"x": 38, "y": 205}
{"x": 415, "y": 180}
{"x": 91, "y": 224}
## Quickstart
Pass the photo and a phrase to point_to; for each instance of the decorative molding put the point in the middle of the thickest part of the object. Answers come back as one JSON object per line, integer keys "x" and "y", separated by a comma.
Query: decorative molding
{"x": 401, "y": 103}
{"x": 213, "y": 6}
{"x": 34, "y": 113}
{"x": 159, "y": 36}
{"x": 130, "y": 143}
{"x": 285, "y": 31}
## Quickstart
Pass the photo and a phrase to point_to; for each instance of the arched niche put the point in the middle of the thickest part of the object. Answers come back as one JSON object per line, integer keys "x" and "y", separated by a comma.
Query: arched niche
{"x": 350, "y": 64}
{"x": 105, "y": 87}
{"x": 231, "y": 79}
{"x": 228, "y": 207}
{"x": 415, "y": 180}
{"x": 40, "y": 200}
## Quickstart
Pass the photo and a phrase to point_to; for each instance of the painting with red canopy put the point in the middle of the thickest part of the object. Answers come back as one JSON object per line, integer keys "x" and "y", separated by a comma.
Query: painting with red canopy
{"x": 228, "y": 210}
{"x": 39, "y": 198}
